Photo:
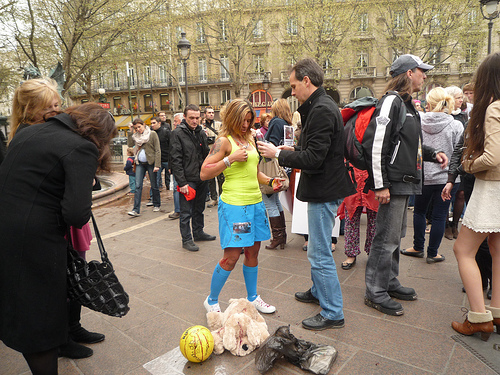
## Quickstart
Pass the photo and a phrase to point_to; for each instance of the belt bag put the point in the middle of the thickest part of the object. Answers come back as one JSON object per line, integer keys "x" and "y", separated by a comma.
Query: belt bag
{"x": 274, "y": 170}
{"x": 95, "y": 284}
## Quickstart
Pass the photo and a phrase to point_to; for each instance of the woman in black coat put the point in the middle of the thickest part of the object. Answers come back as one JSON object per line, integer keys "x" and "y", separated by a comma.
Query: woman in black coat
{"x": 45, "y": 186}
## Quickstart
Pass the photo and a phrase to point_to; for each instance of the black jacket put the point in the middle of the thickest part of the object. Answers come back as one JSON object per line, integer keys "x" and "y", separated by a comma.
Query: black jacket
{"x": 320, "y": 153}
{"x": 163, "y": 133}
{"x": 188, "y": 150}
{"x": 397, "y": 156}
{"x": 45, "y": 184}
{"x": 276, "y": 131}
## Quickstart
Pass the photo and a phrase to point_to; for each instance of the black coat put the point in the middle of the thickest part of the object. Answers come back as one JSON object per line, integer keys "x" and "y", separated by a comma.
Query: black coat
{"x": 45, "y": 185}
{"x": 164, "y": 137}
{"x": 320, "y": 153}
{"x": 188, "y": 150}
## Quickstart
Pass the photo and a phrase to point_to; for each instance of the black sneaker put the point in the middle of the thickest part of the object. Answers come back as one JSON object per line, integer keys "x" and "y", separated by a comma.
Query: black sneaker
{"x": 404, "y": 293}
{"x": 190, "y": 245}
{"x": 83, "y": 336}
{"x": 306, "y": 297}
{"x": 389, "y": 307}
{"x": 203, "y": 237}
{"x": 74, "y": 351}
{"x": 319, "y": 323}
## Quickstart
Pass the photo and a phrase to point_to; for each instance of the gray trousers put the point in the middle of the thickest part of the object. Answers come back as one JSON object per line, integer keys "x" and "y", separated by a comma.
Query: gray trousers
{"x": 382, "y": 268}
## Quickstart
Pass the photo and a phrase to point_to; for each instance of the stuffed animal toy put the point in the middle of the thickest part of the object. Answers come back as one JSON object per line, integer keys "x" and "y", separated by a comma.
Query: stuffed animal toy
{"x": 240, "y": 329}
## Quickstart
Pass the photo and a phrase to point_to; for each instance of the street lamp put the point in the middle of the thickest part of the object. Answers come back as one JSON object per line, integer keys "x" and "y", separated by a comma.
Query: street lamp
{"x": 266, "y": 83}
{"x": 102, "y": 98}
{"x": 184, "y": 50}
{"x": 492, "y": 12}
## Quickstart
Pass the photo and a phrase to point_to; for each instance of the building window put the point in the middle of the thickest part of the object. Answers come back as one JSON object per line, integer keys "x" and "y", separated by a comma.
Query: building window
{"x": 135, "y": 105}
{"x": 100, "y": 79}
{"x": 360, "y": 92}
{"x": 117, "y": 102}
{"x": 472, "y": 16}
{"x": 327, "y": 66}
{"x": 328, "y": 25}
{"x": 225, "y": 95}
{"x": 204, "y": 98}
{"x": 363, "y": 22}
{"x": 116, "y": 79}
{"x": 224, "y": 68}
{"x": 258, "y": 63}
{"x": 471, "y": 53}
{"x": 164, "y": 102}
{"x": 292, "y": 26}
{"x": 200, "y": 33}
{"x": 399, "y": 20}
{"x": 182, "y": 77}
{"x": 147, "y": 75}
{"x": 434, "y": 55}
{"x": 131, "y": 76}
{"x": 202, "y": 70}
{"x": 163, "y": 74}
{"x": 362, "y": 59}
{"x": 148, "y": 103}
{"x": 222, "y": 30}
{"x": 258, "y": 30}
{"x": 435, "y": 23}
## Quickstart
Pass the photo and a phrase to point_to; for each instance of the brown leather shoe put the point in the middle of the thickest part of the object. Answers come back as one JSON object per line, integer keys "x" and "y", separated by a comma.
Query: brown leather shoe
{"x": 467, "y": 328}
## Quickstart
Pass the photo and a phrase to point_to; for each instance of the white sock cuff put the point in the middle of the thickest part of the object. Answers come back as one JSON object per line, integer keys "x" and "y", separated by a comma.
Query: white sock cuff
{"x": 495, "y": 311}
{"x": 475, "y": 317}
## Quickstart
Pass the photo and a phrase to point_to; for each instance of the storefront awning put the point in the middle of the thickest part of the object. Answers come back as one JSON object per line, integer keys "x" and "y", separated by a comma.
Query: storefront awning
{"x": 123, "y": 120}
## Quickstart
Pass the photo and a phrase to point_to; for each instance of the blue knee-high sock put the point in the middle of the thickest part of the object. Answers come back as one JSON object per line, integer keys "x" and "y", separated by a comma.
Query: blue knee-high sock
{"x": 219, "y": 278}
{"x": 250, "y": 275}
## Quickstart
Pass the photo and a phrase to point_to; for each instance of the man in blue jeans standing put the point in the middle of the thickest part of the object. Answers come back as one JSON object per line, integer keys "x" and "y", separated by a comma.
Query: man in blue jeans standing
{"x": 324, "y": 183}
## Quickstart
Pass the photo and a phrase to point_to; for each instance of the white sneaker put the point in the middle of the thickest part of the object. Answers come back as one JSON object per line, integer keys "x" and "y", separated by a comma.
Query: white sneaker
{"x": 133, "y": 213}
{"x": 149, "y": 204}
{"x": 263, "y": 307}
{"x": 156, "y": 209}
{"x": 211, "y": 308}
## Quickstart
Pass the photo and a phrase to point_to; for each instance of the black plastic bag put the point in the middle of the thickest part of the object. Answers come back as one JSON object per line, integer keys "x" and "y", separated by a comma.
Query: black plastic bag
{"x": 318, "y": 359}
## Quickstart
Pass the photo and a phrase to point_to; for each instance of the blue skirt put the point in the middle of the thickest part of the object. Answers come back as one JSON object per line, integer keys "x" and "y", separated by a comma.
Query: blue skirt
{"x": 242, "y": 226}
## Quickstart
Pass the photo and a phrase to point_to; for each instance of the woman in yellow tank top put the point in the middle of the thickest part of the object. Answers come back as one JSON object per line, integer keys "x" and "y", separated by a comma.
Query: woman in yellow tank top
{"x": 242, "y": 215}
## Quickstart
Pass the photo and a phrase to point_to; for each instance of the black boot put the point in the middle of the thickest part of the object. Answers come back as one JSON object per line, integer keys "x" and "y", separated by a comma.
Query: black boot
{"x": 76, "y": 332}
{"x": 74, "y": 351}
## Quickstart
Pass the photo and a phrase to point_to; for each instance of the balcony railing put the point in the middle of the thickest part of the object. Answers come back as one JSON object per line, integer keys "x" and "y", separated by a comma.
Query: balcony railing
{"x": 466, "y": 68}
{"x": 257, "y": 77}
{"x": 284, "y": 76}
{"x": 332, "y": 74}
{"x": 444, "y": 68}
{"x": 363, "y": 72}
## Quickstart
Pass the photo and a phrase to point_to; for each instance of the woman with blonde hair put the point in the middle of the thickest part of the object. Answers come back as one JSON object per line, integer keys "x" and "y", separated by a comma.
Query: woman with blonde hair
{"x": 482, "y": 218}
{"x": 281, "y": 117}
{"x": 242, "y": 217}
{"x": 34, "y": 102}
{"x": 442, "y": 132}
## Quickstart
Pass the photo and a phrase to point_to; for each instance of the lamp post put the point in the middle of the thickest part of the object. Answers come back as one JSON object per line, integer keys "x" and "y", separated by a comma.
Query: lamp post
{"x": 102, "y": 98}
{"x": 184, "y": 50}
{"x": 266, "y": 83}
{"x": 492, "y": 12}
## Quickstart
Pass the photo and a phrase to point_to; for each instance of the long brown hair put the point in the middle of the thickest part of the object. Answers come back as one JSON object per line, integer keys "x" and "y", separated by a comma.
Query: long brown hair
{"x": 232, "y": 114}
{"x": 98, "y": 126}
{"x": 281, "y": 109}
{"x": 486, "y": 90}
{"x": 401, "y": 83}
{"x": 32, "y": 97}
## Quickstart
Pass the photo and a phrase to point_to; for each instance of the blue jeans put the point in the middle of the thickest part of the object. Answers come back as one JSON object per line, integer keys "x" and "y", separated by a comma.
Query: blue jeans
{"x": 273, "y": 204}
{"x": 140, "y": 172}
{"x": 177, "y": 207}
{"x": 131, "y": 183}
{"x": 326, "y": 286}
{"x": 382, "y": 268}
{"x": 439, "y": 216}
{"x": 164, "y": 165}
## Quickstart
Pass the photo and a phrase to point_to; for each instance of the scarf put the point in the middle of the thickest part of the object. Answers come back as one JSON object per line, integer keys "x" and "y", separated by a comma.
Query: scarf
{"x": 140, "y": 139}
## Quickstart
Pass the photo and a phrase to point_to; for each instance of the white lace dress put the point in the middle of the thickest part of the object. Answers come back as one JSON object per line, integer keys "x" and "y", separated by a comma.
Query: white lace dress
{"x": 483, "y": 210}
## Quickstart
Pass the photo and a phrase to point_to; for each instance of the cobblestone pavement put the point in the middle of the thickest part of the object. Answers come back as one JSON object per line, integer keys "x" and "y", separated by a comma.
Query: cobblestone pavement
{"x": 167, "y": 287}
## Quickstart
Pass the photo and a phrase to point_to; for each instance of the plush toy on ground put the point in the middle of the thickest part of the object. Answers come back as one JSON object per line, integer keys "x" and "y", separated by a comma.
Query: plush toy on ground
{"x": 240, "y": 329}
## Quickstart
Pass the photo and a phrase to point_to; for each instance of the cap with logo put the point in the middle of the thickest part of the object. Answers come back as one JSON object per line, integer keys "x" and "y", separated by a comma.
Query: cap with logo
{"x": 408, "y": 62}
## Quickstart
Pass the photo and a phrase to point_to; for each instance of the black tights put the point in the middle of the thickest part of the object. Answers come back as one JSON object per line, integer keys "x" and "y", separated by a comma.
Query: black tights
{"x": 43, "y": 363}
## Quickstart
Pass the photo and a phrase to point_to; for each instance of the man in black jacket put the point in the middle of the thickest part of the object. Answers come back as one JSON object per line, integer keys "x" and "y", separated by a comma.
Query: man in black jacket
{"x": 188, "y": 149}
{"x": 397, "y": 158}
{"x": 323, "y": 184}
{"x": 164, "y": 136}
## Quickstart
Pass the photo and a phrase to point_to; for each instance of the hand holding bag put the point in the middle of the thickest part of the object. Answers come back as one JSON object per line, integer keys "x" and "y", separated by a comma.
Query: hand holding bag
{"x": 94, "y": 284}
{"x": 274, "y": 170}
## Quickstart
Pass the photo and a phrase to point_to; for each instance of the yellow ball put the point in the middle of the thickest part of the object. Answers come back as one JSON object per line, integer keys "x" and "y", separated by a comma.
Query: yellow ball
{"x": 197, "y": 343}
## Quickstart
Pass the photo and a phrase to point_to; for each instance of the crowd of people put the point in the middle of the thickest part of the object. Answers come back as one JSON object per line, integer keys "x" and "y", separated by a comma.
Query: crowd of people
{"x": 56, "y": 154}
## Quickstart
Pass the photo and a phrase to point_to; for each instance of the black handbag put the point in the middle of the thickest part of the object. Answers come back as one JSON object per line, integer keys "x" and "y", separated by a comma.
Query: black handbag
{"x": 94, "y": 284}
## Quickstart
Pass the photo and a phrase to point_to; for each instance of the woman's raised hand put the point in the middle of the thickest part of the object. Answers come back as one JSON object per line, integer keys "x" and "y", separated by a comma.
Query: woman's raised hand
{"x": 240, "y": 154}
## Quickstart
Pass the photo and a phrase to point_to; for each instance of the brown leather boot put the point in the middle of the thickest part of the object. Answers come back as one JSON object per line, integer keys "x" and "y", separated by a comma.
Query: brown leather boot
{"x": 454, "y": 230}
{"x": 283, "y": 224}
{"x": 448, "y": 232}
{"x": 483, "y": 322}
{"x": 277, "y": 232}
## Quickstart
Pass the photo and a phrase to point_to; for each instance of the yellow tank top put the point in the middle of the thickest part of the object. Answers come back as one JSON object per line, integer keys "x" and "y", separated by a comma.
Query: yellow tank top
{"x": 241, "y": 186}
